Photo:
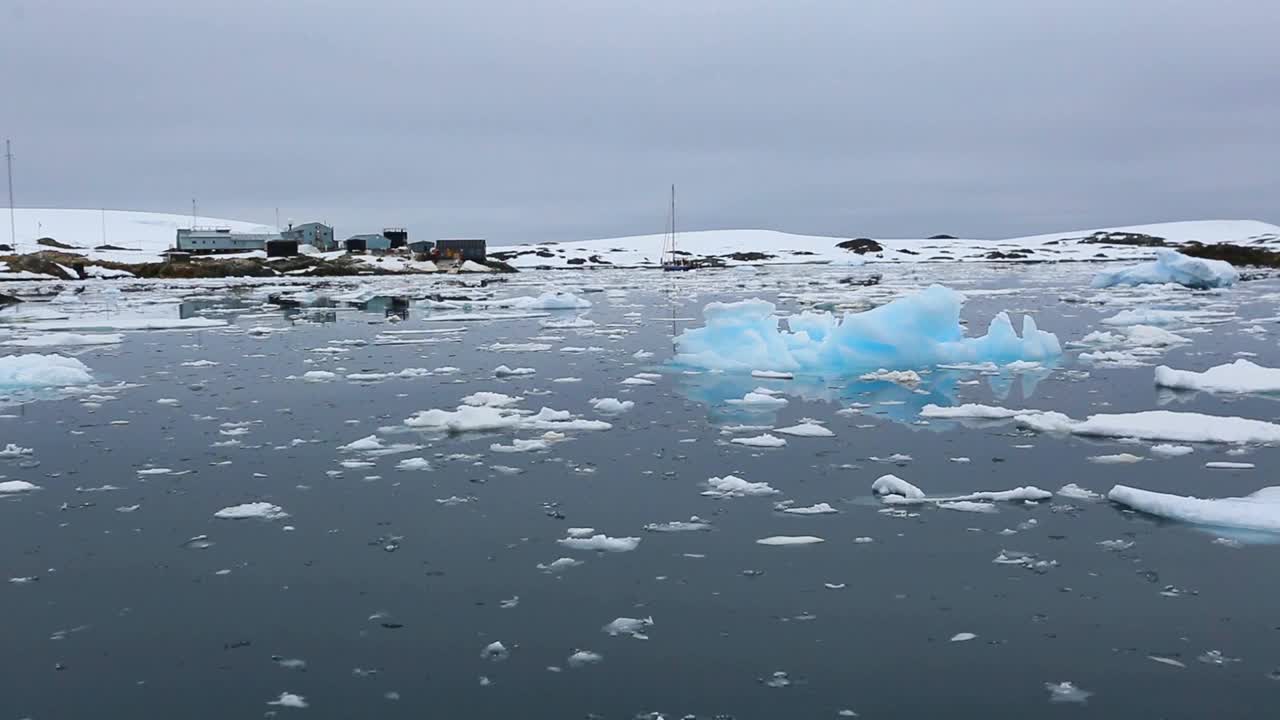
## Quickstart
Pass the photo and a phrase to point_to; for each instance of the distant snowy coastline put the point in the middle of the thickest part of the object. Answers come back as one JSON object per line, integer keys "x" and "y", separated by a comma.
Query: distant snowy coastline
{"x": 129, "y": 237}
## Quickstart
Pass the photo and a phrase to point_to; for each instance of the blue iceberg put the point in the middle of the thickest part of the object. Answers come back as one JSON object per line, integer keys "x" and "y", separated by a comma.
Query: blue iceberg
{"x": 920, "y": 330}
{"x": 1171, "y": 266}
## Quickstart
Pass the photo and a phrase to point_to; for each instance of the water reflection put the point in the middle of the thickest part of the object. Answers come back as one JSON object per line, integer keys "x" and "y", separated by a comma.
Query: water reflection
{"x": 882, "y": 399}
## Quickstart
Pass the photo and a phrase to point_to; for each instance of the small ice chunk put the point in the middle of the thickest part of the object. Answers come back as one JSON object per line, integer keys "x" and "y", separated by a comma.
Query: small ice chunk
{"x": 505, "y": 371}
{"x": 772, "y": 375}
{"x": 758, "y": 401}
{"x": 963, "y": 637}
{"x": 1119, "y": 459}
{"x": 806, "y": 429}
{"x": 1065, "y": 691}
{"x": 816, "y": 509}
{"x": 634, "y": 627}
{"x": 602, "y": 543}
{"x": 289, "y": 700}
{"x": 495, "y": 652}
{"x": 894, "y": 485}
{"x": 1223, "y": 465}
{"x": 11, "y": 450}
{"x": 264, "y": 510}
{"x": 611, "y": 406}
{"x": 1075, "y": 492}
{"x": 584, "y": 657}
{"x": 370, "y": 442}
{"x": 413, "y": 463}
{"x": 1241, "y": 376}
{"x": 559, "y": 564}
{"x": 1167, "y": 450}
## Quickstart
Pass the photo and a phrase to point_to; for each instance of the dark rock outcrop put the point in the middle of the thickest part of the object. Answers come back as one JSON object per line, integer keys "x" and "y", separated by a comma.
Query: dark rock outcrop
{"x": 861, "y": 246}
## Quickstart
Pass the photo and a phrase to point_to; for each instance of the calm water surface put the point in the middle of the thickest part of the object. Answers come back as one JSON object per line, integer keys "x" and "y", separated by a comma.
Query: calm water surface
{"x": 389, "y": 595}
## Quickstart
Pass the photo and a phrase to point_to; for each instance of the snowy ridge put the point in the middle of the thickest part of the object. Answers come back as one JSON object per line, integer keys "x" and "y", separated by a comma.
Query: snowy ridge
{"x": 144, "y": 234}
{"x": 786, "y": 248}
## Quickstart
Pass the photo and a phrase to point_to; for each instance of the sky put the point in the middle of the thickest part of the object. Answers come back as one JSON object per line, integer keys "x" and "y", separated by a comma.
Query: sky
{"x": 541, "y": 120}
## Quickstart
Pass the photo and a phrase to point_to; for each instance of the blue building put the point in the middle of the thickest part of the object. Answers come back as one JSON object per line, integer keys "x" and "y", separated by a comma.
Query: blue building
{"x": 318, "y": 235}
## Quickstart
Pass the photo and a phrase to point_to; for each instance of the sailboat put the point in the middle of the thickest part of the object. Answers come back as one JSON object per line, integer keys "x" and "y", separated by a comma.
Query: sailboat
{"x": 671, "y": 262}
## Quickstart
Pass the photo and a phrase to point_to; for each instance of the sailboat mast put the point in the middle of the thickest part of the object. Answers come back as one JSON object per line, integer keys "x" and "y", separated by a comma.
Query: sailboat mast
{"x": 673, "y": 218}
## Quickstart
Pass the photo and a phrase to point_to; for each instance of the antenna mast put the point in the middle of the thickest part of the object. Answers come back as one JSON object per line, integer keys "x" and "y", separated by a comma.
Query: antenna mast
{"x": 13, "y": 233}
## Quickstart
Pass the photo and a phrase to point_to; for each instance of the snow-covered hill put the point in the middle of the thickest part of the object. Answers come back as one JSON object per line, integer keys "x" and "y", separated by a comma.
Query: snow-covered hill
{"x": 785, "y": 248}
{"x": 144, "y": 235}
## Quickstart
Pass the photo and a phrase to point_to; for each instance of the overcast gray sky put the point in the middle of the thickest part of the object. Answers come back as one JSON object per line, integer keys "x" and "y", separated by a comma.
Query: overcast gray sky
{"x": 540, "y": 120}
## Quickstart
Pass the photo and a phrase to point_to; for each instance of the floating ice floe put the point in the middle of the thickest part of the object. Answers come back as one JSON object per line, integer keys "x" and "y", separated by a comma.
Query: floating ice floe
{"x": 42, "y": 371}
{"x": 915, "y": 331}
{"x": 816, "y": 509}
{"x": 316, "y": 376}
{"x": 61, "y": 339}
{"x": 693, "y": 524}
{"x": 772, "y": 375}
{"x": 1166, "y": 450}
{"x": 601, "y": 542}
{"x": 470, "y": 418}
{"x": 1241, "y": 376}
{"x": 733, "y": 486}
{"x": 761, "y": 441}
{"x": 1158, "y": 425}
{"x": 519, "y": 445}
{"x": 128, "y": 323}
{"x": 1171, "y": 266}
{"x": 893, "y": 490}
{"x": 1117, "y": 459}
{"x": 901, "y": 377}
{"x": 504, "y": 371}
{"x": 414, "y": 463}
{"x": 611, "y": 406}
{"x": 1223, "y": 465}
{"x": 12, "y": 450}
{"x": 789, "y": 540}
{"x": 1259, "y": 511}
{"x": 971, "y": 410}
{"x": 806, "y": 429}
{"x": 758, "y": 401}
{"x": 490, "y": 399}
{"x": 545, "y": 301}
{"x": 264, "y": 510}
{"x": 16, "y": 486}
{"x": 887, "y": 485}
{"x": 559, "y": 564}
{"x": 1075, "y": 492}
{"x": 363, "y": 444}
{"x": 1147, "y": 316}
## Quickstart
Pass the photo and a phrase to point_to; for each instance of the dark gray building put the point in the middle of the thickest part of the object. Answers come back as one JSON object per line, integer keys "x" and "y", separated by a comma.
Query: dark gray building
{"x": 468, "y": 249}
